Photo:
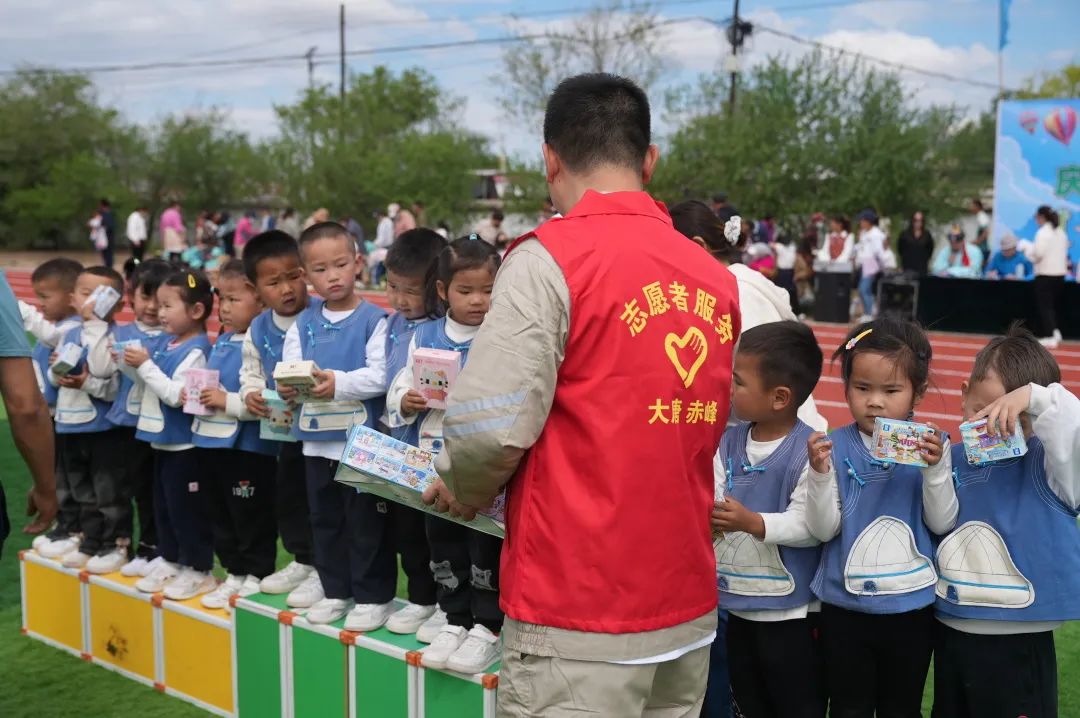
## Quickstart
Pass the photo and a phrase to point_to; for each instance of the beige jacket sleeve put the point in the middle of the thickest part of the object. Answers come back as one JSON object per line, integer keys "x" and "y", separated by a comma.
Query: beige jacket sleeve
{"x": 500, "y": 402}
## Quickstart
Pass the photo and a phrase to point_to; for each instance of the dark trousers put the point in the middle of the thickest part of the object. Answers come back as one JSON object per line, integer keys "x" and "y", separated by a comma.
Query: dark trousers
{"x": 107, "y": 254}
{"x": 718, "y": 689}
{"x": 994, "y": 676}
{"x": 184, "y": 533}
{"x": 94, "y": 467}
{"x": 410, "y": 534}
{"x": 785, "y": 279}
{"x": 465, "y": 564}
{"x": 291, "y": 504}
{"x": 775, "y": 668}
{"x": 353, "y": 532}
{"x": 876, "y": 662}
{"x": 240, "y": 505}
{"x": 139, "y": 470}
{"x": 138, "y": 249}
{"x": 67, "y": 514}
{"x": 1047, "y": 295}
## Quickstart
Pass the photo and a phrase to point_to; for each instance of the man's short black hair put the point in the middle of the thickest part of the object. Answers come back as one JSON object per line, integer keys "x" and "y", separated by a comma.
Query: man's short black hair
{"x": 65, "y": 271}
{"x": 267, "y": 245}
{"x": 598, "y": 119}
{"x": 788, "y": 355}
{"x": 413, "y": 253}
{"x": 150, "y": 275}
{"x": 107, "y": 273}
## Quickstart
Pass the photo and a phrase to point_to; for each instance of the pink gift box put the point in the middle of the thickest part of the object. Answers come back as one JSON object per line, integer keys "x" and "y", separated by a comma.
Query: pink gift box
{"x": 434, "y": 372}
{"x": 195, "y": 380}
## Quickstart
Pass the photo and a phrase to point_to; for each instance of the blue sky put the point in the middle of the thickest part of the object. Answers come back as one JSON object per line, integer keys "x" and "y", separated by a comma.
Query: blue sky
{"x": 958, "y": 37}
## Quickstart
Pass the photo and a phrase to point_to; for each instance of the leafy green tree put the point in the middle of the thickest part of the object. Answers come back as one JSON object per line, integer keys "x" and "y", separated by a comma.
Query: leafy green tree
{"x": 1063, "y": 83}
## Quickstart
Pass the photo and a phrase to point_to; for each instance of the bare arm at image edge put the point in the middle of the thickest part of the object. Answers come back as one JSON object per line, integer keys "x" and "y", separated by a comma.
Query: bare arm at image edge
{"x": 32, "y": 431}
{"x": 500, "y": 402}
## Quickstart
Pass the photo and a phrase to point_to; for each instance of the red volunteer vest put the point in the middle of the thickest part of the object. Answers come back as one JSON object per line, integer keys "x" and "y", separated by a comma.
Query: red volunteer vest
{"x": 608, "y": 514}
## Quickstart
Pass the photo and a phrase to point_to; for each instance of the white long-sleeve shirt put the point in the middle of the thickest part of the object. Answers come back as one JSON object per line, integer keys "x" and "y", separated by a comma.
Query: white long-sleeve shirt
{"x": 824, "y": 255}
{"x": 787, "y": 528}
{"x": 43, "y": 330}
{"x": 103, "y": 380}
{"x": 1049, "y": 252}
{"x": 167, "y": 389}
{"x": 1055, "y": 414}
{"x": 940, "y": 507}
{"x": 870, "y": 251}
{"x": 367, "y": 382}
{"x": 252, "y": 372}
{"x": 785, "y": 255}
{"x": 136, "y": 228}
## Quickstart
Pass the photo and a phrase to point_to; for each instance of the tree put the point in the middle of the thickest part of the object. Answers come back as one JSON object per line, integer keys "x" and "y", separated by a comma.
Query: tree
{"x": 1061, "y": 84}
{"x": 615, "y": 36}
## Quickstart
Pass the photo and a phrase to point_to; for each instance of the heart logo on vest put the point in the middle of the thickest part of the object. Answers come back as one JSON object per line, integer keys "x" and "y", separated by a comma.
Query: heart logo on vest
{"x": 687, "y": 353}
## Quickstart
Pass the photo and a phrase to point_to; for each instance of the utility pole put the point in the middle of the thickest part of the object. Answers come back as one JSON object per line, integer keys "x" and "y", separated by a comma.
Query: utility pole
{"x": 341, "y": 43}
{"x": 310, "y": 55}
{"x": 737, "y": 33}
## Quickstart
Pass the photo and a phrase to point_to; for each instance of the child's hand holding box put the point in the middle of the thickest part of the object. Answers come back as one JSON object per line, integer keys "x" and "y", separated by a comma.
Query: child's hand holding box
{"x": 68, "y": 357}
{"x": 434, "y": 373}
{"x": 298, "y": 376}
{"x": 195, "y": 380}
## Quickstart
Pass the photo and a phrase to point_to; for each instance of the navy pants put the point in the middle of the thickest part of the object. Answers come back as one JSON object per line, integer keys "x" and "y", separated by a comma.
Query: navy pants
{"x": 293, "y": 516}
{"x": 185, "y": 536}
{"x": 240, "y": 504}
{"x": 718, "y": 690}
{"x": 354, "y": 543}
{"x": 139, "y": 459}
{"x": 411, "y": 541}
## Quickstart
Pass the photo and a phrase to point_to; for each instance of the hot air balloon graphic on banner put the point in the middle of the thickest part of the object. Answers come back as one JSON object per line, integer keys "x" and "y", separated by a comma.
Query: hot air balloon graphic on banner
{"x": 1029, "y": 121}
{"x": 1060, "y": 124}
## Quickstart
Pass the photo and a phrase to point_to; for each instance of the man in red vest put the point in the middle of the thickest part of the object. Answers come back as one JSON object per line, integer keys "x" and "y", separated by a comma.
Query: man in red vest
{"x": 596, "y": 391}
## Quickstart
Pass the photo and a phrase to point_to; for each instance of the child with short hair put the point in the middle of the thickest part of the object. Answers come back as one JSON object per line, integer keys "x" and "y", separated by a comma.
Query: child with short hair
{"x": 407, "y": 263}
{"x": 1010, "y": 571}
{"x": 465, "y": 562}
{"x": 765, "y": 554}
{"x": 124, "y": 413}
{"x": 185, "y": 549}
{"x": 91, "y": 458}
{"x": 346, "y": 338}
{"x": 238, "y": 464}
{"x": 272, "y": 264}
{"x": 875, "y": 518}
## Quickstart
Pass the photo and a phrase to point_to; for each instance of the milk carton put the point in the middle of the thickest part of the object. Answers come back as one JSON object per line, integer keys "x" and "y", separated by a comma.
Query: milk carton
{"x": 299, "y": 375}
{"x": 277, "y": 426}
{"x": 434, "y": 372}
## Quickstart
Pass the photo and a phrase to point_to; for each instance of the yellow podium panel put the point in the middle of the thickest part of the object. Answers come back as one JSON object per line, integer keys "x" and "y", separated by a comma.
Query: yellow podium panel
{"x": 196, "y": 654}
{"x": 122, "y": 627}
{"x": 52, "y": 603}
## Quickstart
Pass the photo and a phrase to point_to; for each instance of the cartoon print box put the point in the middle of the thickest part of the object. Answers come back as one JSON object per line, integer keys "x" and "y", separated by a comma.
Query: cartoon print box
{"x": 434, "y": 372}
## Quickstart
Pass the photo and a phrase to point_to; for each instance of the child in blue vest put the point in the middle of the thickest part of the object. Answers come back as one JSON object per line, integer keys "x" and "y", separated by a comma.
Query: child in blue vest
{"x": 124, "y": 413}
{"x": 272, "y": 264}
{"x": 238, "y": 465}
{"x": 1009, "y": 574}
{"x": 765, "y": 554}
{"x": 876, "y": 576}
{"x": 91, "y": 458}
{"x": 185, "y": 549}
{"x": 54, "y": 285}
{"x": 346, "y": 338}
{"x": 465, "y": 562}
{"x": 407, "y": 263}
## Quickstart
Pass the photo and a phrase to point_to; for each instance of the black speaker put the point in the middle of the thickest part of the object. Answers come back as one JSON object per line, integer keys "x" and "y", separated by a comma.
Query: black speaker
{"x": 898, "y": 297}
{"x": 832, "y": 297}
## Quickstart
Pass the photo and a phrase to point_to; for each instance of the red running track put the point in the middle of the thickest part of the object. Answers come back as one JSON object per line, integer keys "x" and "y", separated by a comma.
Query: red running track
{"x": 953, "y": 356}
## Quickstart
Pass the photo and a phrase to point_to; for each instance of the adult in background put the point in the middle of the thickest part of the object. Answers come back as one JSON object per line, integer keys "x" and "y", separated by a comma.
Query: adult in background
{"x": 289, "y": 224}
{"x": 419, "y": 214}
{"x": 404, "y": 221}
{"x": 31, "y": 427}
{"x": 1050, "y": 255}
{"x": 137, "y": 233}
{"x": 1009, "y": 263}
{"x": 108, "y": 224}
{"x": 982, "y": 226}
{"x": 245, "y": 230}
{"x": 322, "y": 214}
{"x": 490, "y": 229}
{"x": 869, "y": 258}
{"x": 173, "y": 233}
{"x": 839, "y": 245}
{"x": 722, "y": 207}
{"x": 959, "y": 258}
{"x": 916, "y": 246}
{"x": 599, "y": 321}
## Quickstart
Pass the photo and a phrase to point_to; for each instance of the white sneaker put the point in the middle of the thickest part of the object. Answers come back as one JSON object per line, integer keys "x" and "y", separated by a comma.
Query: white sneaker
{"x": 59, "y": 547}
{"x": 159, "y": 575}
{"x": 1051, "y": 342}
{"x": 429, "y": 631}
{"x": 1057, "y": 335}
{"x": 250, "y": 587}
{"x": 108, "y": 562}
{"x": 366, "y": 617}
{"x": 449, "y": 640}
{"x": 219, "y": 597}
{"x": 410, "y": 618}
{"x": 40, "y": 541}
{"x": 479, "y": 651}
{"x": 189, "y": 584}
{"x": 287, "y": 578}
{"x": 74, "y": 559}
{"x": 307, "y": 594}
{"x": 138, "y": 566}
{"x": 866, "y": 318}
{"x": 329, "y": 610}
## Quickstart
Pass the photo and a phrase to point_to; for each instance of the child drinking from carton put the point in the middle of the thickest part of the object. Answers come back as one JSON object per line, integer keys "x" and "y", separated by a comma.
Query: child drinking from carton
{"x": 1009, "y": 574}
{"x": 465, "y": 562}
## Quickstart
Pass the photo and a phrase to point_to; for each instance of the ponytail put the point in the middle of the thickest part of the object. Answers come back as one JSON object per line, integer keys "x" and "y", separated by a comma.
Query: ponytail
{"x": 1049, "y": 215}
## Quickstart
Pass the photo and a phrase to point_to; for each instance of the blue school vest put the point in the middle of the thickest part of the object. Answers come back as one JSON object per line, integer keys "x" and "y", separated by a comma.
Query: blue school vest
{"x": 159, "y": 423}
{"x": 753, "y": 575}
{"x": 125, "y": 408}
{"x": 1015, "y": 554}
{"x": 222, "y": 431}
{"x": 40, "y": 357}
{"x": 88, "y": 415}
{"x": 342, "y": 346}
{"x": 399, "y": 334}
{"x": 880, "y": 562}
{"x": 426, "y": 432}
{"x": 269, "y": 340}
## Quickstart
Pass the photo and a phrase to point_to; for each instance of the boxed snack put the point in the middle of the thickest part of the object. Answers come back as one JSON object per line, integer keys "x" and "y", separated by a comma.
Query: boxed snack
{"x": 277, "y": 426}
{"x": 299, "y": 375}
{"x": 379, "y": 464}
{"x": 195, "y": 380}
{"x": 898, "y": 441}
{"x": 68, "y": 357}
{"x": 119, "y": 347}
{"x": 434, "y": 372}
{"x": 980, "y": 447}
{"x": 104, "y": 299}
